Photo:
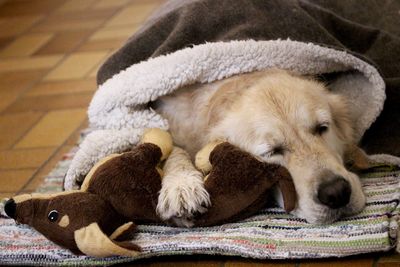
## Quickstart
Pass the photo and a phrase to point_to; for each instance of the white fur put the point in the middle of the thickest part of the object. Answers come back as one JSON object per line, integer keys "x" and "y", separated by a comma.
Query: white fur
{"x": 182, "y": 194}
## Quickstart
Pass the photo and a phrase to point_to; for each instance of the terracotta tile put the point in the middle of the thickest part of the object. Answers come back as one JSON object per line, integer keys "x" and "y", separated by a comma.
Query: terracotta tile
{"x": 109, "y": 3}
{"x": 17, "y": 8}
{"x": 76, "y": 5}
{"x": 93, "y": 73}
{"x": 256, "y": 263}
{"x": 53, "y": 129}
{"x": 50, "y": 102}
{"x": 14, "y": 126}
{"x": 184, "y": 263}
{"x": 13, "y": 181}
{"x": 25, "y": 45}
{"x": 12, "y": 84}
{"x": 120, "y": 32}
{"x": 388, "y": 264}
{"x": 158, "y": 2}
{"x": 392, "y": 257}
{"x": 6, "y": 195}
{"x": 76, "y": 66}
{"x": 63, "y": 42}
{"x": 5, "y": 41}
{"x": 38, "y": 178}
{"x": 133, "y": 14}
{"x": 24, "y": 158}
{"x": 73, "y": 21}
{"x": 363, "y": 262}
{"x": 31, "y": 63}
{"x": 16, "y": 81}
{"x": 7, "y": 98}
{"x": 16, "y": 25}
{"x": 97, "y": 45}
{"x": 63, "y": 87}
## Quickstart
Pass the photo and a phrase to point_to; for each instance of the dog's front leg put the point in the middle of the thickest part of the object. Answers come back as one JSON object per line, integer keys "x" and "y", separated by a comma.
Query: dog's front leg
{"x": 182, "y": 194}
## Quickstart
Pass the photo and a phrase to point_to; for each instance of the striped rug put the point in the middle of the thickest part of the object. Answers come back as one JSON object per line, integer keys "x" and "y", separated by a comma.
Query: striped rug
{"x": 270, "y": 234}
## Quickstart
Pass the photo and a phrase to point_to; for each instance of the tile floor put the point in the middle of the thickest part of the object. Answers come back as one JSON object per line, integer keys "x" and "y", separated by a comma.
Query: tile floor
{"x": 50, "y": 51}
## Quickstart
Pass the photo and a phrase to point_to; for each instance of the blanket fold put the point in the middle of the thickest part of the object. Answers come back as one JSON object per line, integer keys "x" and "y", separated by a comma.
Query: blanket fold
{"x": 361, "y": 30}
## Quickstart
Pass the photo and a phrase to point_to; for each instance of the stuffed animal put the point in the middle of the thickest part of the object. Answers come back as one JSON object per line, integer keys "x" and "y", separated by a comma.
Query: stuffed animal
{"x": 99, "y": 219}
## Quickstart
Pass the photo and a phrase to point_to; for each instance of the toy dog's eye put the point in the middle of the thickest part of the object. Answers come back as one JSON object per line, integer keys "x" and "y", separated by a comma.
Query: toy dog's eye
{"x": 53, "y": 216}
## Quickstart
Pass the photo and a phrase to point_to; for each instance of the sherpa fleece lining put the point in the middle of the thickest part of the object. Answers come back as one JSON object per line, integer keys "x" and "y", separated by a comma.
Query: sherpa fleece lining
{"x": 119, "y": 101}
{"x": 119, "y": 107}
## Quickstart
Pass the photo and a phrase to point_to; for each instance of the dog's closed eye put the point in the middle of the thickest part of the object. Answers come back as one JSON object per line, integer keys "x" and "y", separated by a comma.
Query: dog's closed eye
{"x": 321, "y": 128}
{"x": 271, "y": 151}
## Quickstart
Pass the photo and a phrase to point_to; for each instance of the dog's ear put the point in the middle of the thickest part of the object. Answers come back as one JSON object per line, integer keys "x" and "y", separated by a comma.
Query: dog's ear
{"x": 341, "y": 118}
{"x": 356, "y": 159}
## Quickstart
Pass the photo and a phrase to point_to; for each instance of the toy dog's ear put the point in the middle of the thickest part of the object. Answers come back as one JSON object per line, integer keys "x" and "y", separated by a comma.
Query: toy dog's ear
{"x": 93, "y": 242}
{"x": 202, "y": 159}
{"x": 286, "y": 185}
{"x": 160, "y": 138}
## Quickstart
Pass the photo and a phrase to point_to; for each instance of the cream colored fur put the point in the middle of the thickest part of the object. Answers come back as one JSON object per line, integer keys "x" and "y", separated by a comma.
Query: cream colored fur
{"x": 182, "y": 194}
{"x": 275, "y": 115}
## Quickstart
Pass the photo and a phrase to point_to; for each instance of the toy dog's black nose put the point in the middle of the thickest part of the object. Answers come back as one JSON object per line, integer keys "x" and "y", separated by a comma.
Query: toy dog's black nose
{"x": 10, "y": 208}
{"x": 335, "y": 193}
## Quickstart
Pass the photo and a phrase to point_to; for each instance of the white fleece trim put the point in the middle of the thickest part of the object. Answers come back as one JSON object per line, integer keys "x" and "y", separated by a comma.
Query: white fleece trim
{"x": 111, "y": 107}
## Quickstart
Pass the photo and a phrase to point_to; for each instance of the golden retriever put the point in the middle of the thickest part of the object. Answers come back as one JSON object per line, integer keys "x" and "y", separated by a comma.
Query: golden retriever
{"x": 279, "y": 117}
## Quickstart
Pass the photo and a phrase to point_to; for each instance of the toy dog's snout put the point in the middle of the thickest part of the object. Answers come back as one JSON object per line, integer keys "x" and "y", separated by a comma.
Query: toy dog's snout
{"x": 10, "y": 208}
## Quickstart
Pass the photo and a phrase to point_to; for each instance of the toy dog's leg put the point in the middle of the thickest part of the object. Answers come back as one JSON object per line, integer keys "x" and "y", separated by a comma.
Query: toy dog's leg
{"x": 182, "y": 194}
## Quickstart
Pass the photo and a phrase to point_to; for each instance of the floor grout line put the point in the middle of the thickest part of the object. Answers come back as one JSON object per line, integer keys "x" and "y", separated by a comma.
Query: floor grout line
{"x": 58, "y": 149}
{"x": 64, "y": 56}
{"x": 11, "y": 147}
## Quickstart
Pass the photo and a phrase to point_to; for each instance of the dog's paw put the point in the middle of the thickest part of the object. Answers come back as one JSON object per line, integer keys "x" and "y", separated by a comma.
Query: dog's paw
{"x": 181, "y": 198}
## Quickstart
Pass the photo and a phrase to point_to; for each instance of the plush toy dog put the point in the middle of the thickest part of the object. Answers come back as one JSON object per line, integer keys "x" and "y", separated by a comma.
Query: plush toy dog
{"x": 97, "y": 220}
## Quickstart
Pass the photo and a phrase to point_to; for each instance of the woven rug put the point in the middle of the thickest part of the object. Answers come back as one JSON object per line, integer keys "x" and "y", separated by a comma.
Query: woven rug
{"x": 271, "y": 234}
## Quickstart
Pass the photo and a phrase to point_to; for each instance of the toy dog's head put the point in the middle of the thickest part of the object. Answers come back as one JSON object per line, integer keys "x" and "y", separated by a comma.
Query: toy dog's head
{"x": 80, "y": 221}
{"x": 95, "y": 220}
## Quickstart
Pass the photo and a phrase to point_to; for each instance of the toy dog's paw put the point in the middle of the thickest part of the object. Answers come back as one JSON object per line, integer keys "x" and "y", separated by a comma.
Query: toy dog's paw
{"x": 182, "y": 198}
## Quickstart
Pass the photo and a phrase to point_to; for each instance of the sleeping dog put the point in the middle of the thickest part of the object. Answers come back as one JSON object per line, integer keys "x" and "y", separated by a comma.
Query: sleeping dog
{"x": 279, "y": 117}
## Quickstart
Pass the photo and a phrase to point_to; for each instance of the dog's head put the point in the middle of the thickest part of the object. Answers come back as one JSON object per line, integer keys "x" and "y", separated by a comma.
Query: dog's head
{"x": 298, "y": 123}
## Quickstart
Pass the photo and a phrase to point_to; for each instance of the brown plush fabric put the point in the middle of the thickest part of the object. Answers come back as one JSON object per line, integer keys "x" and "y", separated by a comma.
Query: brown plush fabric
{"x": 239, "y": 185}
{"x": 128, "y": 234}
{"x": 81, "y": 208}
{"x": 131, "y": 182}
{"x": 122, "y": 189}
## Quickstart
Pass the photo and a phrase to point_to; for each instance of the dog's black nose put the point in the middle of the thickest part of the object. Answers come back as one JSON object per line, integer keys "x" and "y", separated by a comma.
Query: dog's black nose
{"x": 10, "y": 208}
{"x": 335, "y": 193}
